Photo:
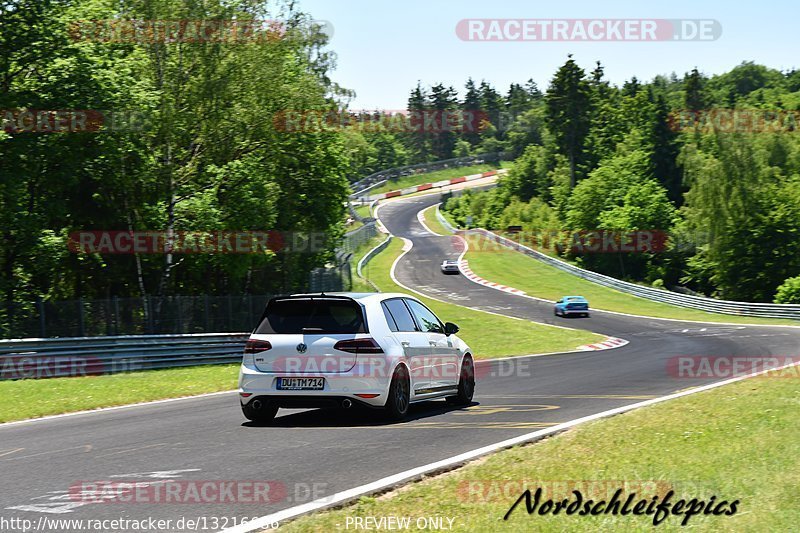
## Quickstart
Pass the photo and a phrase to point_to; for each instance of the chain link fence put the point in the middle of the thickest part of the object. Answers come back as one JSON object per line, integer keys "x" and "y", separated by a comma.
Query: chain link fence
{"x": 339, "y": 278}
{"x": 132, "y": 316}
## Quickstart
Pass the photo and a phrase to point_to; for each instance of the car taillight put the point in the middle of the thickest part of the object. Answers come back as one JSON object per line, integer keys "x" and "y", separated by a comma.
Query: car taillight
{"x": 358, "y": 346}
{"x": 256, "y": 346}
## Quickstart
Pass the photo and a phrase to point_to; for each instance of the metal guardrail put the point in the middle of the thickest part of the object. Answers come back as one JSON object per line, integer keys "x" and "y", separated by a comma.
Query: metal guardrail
{"x": 376, "y": 179}
{"x": 82, "y": 356}
{"x": 446, "y": 223}
{"x": 368, "y": 257}
{"x": 765, "y": 310}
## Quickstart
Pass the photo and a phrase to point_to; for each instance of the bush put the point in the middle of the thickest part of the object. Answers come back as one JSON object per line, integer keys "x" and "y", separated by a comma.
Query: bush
{"x": 788, "y": 292}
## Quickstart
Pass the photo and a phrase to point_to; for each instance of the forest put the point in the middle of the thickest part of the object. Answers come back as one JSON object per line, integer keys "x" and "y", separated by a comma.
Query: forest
{"x": 193, "y": 142}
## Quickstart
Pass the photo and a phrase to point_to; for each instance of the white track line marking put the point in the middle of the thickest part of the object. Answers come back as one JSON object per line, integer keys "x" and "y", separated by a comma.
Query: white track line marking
{"x": 446, "y": 464}
{"x": 114, "y": 408}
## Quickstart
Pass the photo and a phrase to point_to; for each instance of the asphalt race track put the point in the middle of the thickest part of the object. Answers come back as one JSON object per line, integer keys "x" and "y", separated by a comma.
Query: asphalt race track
{"x": 311, "y": 453}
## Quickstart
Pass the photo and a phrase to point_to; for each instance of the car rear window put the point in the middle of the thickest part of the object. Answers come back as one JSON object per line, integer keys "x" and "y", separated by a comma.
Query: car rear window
{"x": 312, "y": 315}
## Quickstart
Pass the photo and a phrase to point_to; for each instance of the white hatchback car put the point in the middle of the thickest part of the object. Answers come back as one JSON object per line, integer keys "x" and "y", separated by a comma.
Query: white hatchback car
{"x": 450, "y": 266}
{"x": 375, "y": 349}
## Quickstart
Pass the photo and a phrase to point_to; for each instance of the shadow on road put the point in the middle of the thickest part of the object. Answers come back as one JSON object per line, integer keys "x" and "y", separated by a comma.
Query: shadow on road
{"x": 356, "y": 416}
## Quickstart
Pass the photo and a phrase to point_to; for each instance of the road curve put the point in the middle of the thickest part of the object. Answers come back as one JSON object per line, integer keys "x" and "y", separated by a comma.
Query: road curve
{"x": 329, "y": 451}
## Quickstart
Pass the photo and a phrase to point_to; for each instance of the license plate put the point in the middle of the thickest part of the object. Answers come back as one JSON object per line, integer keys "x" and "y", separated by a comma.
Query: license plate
{"x": 301, "y": 383}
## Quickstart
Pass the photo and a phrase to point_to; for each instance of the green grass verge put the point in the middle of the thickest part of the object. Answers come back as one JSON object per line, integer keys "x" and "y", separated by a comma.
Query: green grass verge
{"x": 439, "y": 175}
{"x": 432, "y": 221}
{"x": 487, "y": 334}
{"x": 735, "y": 442}
{"x": 517, "y": 270}
{"x": 33, "y": 398}
{"x": 363, "y": 211}
{"x": 354, "y": 225}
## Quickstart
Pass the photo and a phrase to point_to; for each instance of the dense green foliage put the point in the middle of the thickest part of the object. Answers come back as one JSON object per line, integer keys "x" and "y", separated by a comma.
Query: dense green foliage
{"x": 209, "y": 156}
{"x": 724, "y": 188}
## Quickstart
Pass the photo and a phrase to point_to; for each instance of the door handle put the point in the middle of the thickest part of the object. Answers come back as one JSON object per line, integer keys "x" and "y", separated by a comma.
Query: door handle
{"x": 406, "y": 344}
{"x": 432, "y": 343}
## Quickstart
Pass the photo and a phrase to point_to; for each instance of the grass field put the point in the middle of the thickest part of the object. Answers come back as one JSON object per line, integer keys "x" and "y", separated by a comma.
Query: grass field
{"x": 363, "y": 211}
{"x": 738, "y": 442}
{"x": 32, "y": 398}
{"x": 439, "y": 175}
{"x": 502, "y": 265}
{"x": 517, "y": 270}
{"x": 487, "y": 334}
{"x": 429, "y": 215}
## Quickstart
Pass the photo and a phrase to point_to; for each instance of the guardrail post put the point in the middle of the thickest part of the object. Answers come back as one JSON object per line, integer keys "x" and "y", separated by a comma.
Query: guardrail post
{"x": 42, "y": 319}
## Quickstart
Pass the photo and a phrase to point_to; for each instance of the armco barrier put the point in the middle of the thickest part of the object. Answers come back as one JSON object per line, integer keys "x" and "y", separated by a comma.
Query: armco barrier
{"x": 446, "y": 223}
{"x": 364, "y": 185}
{"x": 437, "y": 185}
{"x": 367, "y": 258}
{"x": 791, "y": 311}
{"x": 78, "y": 356}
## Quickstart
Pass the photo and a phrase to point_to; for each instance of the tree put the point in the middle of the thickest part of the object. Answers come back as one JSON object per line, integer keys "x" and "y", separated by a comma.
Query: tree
{"x": 621, "y": 196}
{"x": 569, "y": 113}
{"x": 665, "y": 150}
{"x": 788, "y": 292}
{"x": 493, "y": 104}
{"x": 443, "y": 102}
{"x": 472, "y": 104}
{"x": 210, "y": 157}
{"x": 530, "y": 175}
{"x": 419, "y": 141}
{"x": 695, "y": 97}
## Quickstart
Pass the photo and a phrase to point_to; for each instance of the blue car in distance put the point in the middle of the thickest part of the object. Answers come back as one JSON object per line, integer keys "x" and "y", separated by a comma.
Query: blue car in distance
{"x": 572, "y": 306}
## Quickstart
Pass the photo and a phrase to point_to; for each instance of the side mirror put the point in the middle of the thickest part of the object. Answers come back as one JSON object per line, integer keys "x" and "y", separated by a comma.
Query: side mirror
{"x": 450, "y": 328}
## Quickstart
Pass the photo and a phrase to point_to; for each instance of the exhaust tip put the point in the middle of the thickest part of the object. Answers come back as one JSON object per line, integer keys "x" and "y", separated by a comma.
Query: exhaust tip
{"x": 347, "y": 404}
{"x": 257, "y": 404}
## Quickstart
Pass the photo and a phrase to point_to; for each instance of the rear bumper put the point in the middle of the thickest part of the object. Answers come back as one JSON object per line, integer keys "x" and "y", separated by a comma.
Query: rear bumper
{"x": 309, "y": 402}
{"x": 345, "y": 385}
{"x": 576, "y": 311}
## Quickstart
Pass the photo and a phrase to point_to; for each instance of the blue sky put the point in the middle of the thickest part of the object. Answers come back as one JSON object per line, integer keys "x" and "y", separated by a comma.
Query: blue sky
{"x": 384, "y": 47}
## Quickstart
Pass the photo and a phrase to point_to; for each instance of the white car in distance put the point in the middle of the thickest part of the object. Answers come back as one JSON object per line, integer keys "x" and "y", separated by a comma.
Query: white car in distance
{"x": 450, "y": 266}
